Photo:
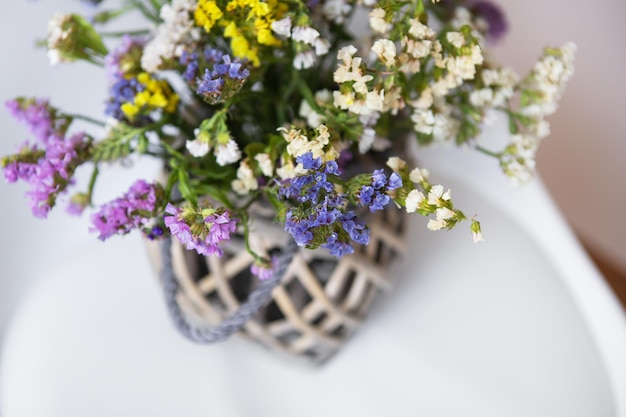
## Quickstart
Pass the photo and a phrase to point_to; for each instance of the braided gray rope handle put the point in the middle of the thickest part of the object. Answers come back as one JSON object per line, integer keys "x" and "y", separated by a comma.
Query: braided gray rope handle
{"x": 256, "y": 300}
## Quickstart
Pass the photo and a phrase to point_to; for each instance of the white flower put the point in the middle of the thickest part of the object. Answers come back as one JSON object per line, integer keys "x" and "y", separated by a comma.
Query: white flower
{"x": 265, "y": 163}
{"x": 456, "y": 39}
{"x": 227, "y": 153}
{"x": 346, "y": 53}
{"x": 482, "y": 97}
{"x": 245, "y": 181}
{"x": 386, "y": 51}
{"x": 444, "y": 213}
{"x": 420, "y": 31}
{"x": 377, "y": 21}
{"x": 305, "y": 34}
{"x": 313, "y": 118}
{"x": 435, "y": 225}
{"x": 54, "y": 56}
{"x": 425, "y": 101}
{"x": 366, "y": 140}
{"x": 336, "y": 10}
{"x": 396, "y": 163}
{"x": 477, "y": 236}
{"x": 423, "y": 121}
{"x": 413, "y": 200}
{"x": 321, "y": 46}
{"x": 436, "y": 194}
{"x": 282, "y": 27}
{"x": 198, "y": 148}
{"x": 177, "y": 30}
{"x": 418, "y": 175}
{"x": 304, "y": 60}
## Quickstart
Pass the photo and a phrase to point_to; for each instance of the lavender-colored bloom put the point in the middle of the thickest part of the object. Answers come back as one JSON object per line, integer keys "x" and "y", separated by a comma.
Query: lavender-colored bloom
{"x": 51, "y": 174}
{"x": 122, "y": 91}
{"x": 264, "y": 271}
{"x": 395, "y": 181}
{"x": 212, "y": 55}
{"x": 155, "y": 233}
{"x": 209, "y": 85}
{"x": 126, "y": 213}
{"x": 365, "y": 195}
{"x": 337, "y": 247}
{"x": 332, "y": 168}
{"x": 223, "y": 80}
{"x": 177, "y": 225}
{"x": 379, "y": 180}
{"x": 357, "y": 230}
{"x": 190, "y": 60}
{"x": 36, "y": 114}
{"x": 124, "y": 59}
{"x": 379, "y": 202}
{"x": 375, "y": 194}
{"x": 308, "y": 162}
{"x": 320, "y": 218}
{"x": 220, "y": 227}
{"x": 203, "y": 236}
{"x": 493, "y": 15}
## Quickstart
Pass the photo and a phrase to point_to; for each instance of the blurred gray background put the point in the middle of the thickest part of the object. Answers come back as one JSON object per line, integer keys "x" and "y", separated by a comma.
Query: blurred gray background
{"x": 583, "y": 162}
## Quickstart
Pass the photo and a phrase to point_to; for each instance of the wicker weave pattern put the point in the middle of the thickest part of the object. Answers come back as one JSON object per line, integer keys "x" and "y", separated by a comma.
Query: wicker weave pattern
{"x": 318, "y": 304}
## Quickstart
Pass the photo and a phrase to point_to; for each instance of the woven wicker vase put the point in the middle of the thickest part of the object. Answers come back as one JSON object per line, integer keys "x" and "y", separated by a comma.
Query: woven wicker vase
{"x": 320, "y": 301}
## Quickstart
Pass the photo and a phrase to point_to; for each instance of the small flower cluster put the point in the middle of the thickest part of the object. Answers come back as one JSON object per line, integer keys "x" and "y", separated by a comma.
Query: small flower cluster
{"x": 541, "y": 91}
{"x": 48, "y": 171}
{"x": 276, "y": 100}
{"x": 321, "y": 218}
{"x": 375, "y": 194}
{"x": 200, "y": 229}
{"x": 134, "y": 99}
{"x": 223, "y": 81}
{"x": 129, "y": 212}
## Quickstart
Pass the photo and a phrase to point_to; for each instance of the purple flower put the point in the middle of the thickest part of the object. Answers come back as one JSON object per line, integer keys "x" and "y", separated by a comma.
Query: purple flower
{"x": 337, "y": 247}
{"x": 177, "y": 225}
{"x": 320, "y": 218}
{"x": 197, "y": 232}
{"x": 308, "y": 162}
{"x": 220, "y": 227}
{"x": 48, "y": 172}
{"x": 190, "y": 61}
{"x": 395, "y": 181}
{"x": 38, "y": 116}
{"x": 264, "y": 271}
{"x": 125, "y": 59}
{"x": 133, "y": 210}
{"x": 493, "y": 15}
{"x": 223, "y": 80}
{"x": 374, "y": 195}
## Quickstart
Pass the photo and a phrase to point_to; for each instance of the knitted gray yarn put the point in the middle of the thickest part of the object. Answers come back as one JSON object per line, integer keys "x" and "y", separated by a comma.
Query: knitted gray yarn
{"x": 256, "y": 300}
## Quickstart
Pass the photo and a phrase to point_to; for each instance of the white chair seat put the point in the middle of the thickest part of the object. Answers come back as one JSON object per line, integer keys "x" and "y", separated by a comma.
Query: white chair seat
{"x": 520, "y": 325}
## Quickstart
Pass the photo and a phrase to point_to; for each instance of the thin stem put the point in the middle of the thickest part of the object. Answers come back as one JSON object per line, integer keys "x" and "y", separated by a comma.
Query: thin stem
{"x": 487, "y": 151}
{"x": 92, "y": 181}
{"x": 138, "y": 32}
{"x": 87, "y": 119}
{"x": 246, "y": 238}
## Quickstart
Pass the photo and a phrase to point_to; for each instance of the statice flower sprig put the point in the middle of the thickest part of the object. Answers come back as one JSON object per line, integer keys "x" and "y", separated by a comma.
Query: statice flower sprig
{"x": 280, "y": 102}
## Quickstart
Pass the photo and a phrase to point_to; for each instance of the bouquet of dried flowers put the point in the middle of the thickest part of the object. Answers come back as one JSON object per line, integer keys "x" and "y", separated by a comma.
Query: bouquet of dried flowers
{"x": 303, "y": 105}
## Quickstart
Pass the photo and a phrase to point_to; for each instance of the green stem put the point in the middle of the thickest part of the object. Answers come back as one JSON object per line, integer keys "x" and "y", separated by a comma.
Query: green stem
{"x": 92, "y": 181}
{"x": 137, "y": 32}
{"x": 246, "y": 238}
{"x": 87, "y": 119}
{"x": 487, "y": 151}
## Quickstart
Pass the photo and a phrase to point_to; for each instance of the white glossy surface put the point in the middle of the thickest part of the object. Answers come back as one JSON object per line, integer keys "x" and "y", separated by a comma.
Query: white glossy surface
{"x": 506, "y": 328}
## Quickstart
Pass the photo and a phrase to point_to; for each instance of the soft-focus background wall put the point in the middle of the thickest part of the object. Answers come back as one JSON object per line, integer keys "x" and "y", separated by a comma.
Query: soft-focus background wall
{"x": 583, "y": 163}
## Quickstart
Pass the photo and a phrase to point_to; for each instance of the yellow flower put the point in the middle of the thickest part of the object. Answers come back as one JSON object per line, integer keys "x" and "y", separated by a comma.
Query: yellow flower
{"x": 129, "y": 110}
{"x": 207, "y": 13}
